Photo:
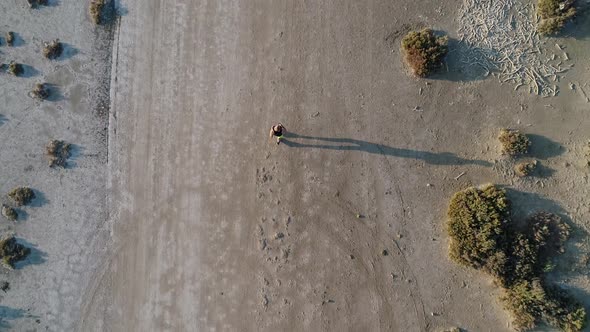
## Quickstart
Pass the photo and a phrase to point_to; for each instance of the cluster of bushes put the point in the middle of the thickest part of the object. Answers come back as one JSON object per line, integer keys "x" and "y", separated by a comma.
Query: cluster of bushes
{"x": 57, "y": 153}
{"x": 40, "y": 91}
{"x": 424, "y": 51}
{"x": 525, "y": 168}
{"x": 10, "y": 38}
{"x": 11, "y": 251}
{"x": 22, "y": 195}
{"x": 15, "y": 69}
{"x": 53, "y": 50}
{"x": 554, "y": 15}
{"x": 9, "y": 213}
{"x": 484, "y": 237}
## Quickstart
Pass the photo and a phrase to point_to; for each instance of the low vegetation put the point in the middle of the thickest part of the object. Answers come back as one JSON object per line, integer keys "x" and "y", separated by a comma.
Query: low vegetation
{"x": 96, "y": 10}
{"x": 40, "y": 91}
{"x": 15, "y": 69}
{"x": 36, "y": 3}
{"x": 525, "y": 168}
{"x": 513, "y": 142}
{"x": 10, "y": 38}
{"x": 11, "y": 251}
{"x": 53, "y": 50}
{"x": 57, "y": 153}
{"x": 554, "y": 15}
{"x": 22, "y": 195}
{"x": 9, "y": 213}
{"x": 483, "y": 236}
{"x": 424, "y": 51}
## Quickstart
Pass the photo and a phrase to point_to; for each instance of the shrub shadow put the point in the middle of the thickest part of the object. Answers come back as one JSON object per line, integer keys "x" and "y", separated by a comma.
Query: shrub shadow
{"x": 39, "y": 200}
{"x": 3, "y": 119}
{"x": 22, "y": 215}
{"x": 525, "y": 203}
{"x": 455, "y": 70}
{"x": 544, "y": 148}
{"x": 55, "y": 93}
{"x": 29, "y": 71}
{"x": 68, "y": 52}
{"x": 7, "y": 314}
{"x": 17, "y": 42}
{"x": 579, "y": 27}
{"x": 36, "y": 257}
{"x": 75, "y": 153}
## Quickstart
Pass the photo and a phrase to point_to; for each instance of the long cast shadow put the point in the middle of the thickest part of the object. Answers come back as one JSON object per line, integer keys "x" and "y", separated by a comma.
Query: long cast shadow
{"x": 349, "y": 144}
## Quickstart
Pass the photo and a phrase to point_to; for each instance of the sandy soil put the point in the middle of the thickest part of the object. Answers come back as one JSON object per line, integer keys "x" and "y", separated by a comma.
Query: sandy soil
{"x": 66, "y": 225}
{"x": 216, "y": 228}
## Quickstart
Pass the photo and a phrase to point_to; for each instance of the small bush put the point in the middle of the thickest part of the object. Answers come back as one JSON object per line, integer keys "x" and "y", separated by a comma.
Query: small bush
{"x": 424, "y": 51}
{"x": 53, "y": 49}
{"x": 22, "y": 195}
{"x": 96, "y": 10}
{"x": 525, "y": 168}
{"x": 9, "y": 213}
{"x": 40, "y": 91}
{"x": 10, "y": 38}
{"x": 36, "y": 3}
{"x": 15, "y": 69}
{"x": 554, "y": 15}
{"x": 12, "y": 251}
{"x": 513, "y": 142}
{"x": 57, "y": 153}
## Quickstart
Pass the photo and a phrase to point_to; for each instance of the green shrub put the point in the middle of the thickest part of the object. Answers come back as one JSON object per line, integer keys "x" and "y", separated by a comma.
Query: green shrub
{"x": 57, "y": 153}
{"x": 15, "y": 69}
{"x": 513, "y": 142}
{"x": 12, "y": 251}
{"x": 554, "y": 15}
{"x": 9, "y": 213}
{"x": 96, "y": 10}
{"x": 53, "y": 50}
{"x": 40, "y": 91}
{"x": 10, "y": 38}
{"x": 475, "y": 224}
{"x": 424, "y": 52}
{"x": 484, "y": 237}
{"x": 22, "y": 195}
{"x": 525, "y": 168}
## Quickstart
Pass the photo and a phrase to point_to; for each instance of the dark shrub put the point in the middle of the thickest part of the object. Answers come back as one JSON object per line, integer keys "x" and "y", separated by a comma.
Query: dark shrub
{"x": 96, "y": 10}
{"x": 10, "y": 38}
{"x": 53, "y": 49}
{"x": 554, "y": 15}
{"x": 9, "y": 213}
{"x": 40, "y": 91}
{"x": 22, "y": 195}
{"x": 424, "y": 51}
{"x": 12, "y": 251}
{"x": 15, "y": 69}
{"x": 57, "y": 153}
{"x": 513, "y": 142}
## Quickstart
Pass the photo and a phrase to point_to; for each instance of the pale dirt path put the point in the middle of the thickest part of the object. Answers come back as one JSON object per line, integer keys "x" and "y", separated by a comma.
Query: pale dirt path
{"x": 218, "y": 229}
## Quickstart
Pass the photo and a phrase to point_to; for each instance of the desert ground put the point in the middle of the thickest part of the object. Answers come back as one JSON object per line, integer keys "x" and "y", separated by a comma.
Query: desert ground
{"x": 184, "y": 216}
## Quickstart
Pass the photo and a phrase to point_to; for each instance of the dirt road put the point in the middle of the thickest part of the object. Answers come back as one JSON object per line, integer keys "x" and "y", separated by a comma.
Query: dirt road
{"x": 340, "y": 228}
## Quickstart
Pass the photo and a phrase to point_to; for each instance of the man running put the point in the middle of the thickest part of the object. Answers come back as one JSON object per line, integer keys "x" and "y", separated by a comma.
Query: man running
{"x": 277, "y": 131}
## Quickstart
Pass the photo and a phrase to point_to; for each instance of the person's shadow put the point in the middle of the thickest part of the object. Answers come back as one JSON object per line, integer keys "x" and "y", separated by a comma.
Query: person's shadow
{"x": 349, "y": 144}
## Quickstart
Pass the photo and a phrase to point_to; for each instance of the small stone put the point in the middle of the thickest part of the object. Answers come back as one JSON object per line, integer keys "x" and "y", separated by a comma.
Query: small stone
{"x": 351, "y": 256}
{"x": 279, "y": 235}
{"x": 428, "y": 185}
{"x": 385, "y": 252}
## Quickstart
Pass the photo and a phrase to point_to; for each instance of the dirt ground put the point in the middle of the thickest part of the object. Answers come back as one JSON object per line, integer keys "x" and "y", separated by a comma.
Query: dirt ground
{"x": 339, "y": 228}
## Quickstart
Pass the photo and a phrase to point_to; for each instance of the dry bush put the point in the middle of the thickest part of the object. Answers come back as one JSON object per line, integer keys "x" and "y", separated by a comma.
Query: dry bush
{"x": 12, "y": 251}
{"x": 475, "y": 224}
{"x": 22, "y": 195}
{"x": 10, "y": 38}
{"x": 513, "y": 142}
{"x": 483, "y": 237}
{"x": 554, "y": 15}
{"x": 9, "y": 213}
{"x": 96, "y": 10}
{"x": 53, "y": 50}
{"x": 15, "y": 69}
{"x": 525, "y": 168}
{"x": 424, "y": 51}
{"x": 57, "y": 153}
{"x": 40, "y": 91}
